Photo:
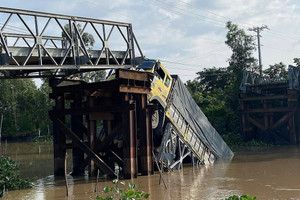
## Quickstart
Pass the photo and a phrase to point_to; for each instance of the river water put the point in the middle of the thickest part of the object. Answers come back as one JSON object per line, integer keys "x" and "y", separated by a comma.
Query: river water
{"x": 267, "y": 173}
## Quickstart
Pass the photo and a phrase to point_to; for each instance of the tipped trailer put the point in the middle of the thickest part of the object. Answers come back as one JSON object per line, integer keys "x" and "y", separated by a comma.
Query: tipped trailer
{"x": 180, "y": 128}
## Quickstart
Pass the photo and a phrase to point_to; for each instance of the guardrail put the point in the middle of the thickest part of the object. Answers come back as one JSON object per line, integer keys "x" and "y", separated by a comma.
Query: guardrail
{"x": 251, "y": 79}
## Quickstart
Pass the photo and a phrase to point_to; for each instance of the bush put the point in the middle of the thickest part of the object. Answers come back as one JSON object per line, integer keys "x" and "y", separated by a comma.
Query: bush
{"x": 130, "y": 193}
{"x": 9, "y": 179}
{"x": 243, "y": 197}
{"x": 43, "y": 139}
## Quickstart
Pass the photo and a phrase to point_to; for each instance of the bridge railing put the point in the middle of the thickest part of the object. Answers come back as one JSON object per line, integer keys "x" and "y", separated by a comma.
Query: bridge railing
{"x": 250, "y": 79}
{"x": 37, "y": 44}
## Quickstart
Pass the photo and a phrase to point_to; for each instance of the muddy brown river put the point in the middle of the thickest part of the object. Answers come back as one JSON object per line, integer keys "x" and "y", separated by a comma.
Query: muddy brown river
{"x": 267, "y": 173}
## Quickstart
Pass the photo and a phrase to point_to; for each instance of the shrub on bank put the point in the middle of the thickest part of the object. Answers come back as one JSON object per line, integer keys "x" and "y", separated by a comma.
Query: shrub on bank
{"x": 243, "y": 197}
{"x": 9, "y": 178}
{"x": 45, "y": 139}
{"x": 115, "y": 192}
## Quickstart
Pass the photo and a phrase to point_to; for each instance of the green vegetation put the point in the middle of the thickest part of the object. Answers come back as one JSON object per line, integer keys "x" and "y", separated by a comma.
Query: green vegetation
{"x": 216, "y": 90}
{"x": 243, "y": 197}
{"x": 48, "y": 139}
{"x": 129, "y": 193}
{"x": 9, "y": 178}
{"x": 24, "y": 107}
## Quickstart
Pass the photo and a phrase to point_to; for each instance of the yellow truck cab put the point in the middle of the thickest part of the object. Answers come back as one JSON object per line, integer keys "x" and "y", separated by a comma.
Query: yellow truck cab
{"x": 160, "y": 89}
{"x": 161, "y": 83}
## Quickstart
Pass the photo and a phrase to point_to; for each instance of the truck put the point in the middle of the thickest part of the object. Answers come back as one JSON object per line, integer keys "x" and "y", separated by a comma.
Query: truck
{"x": 181, "y": 131}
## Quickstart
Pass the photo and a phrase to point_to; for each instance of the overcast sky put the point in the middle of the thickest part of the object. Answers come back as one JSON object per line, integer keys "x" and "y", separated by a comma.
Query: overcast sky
{"x": 189, "y": 35}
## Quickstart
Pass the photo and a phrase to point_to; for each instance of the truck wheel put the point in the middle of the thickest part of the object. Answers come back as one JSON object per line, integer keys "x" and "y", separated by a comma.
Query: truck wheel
{"x": 157, "y": 126}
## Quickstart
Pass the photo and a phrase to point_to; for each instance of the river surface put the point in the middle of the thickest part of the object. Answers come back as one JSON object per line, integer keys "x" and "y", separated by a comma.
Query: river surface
{"x": 268, "y": 173}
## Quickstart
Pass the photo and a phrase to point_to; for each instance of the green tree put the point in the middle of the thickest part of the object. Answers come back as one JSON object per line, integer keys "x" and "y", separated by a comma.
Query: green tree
{"x": 24, "y": 107}
{"x": 212, "y": 78}
{"x": 216, "y": 90}
{"x": 297, "y": 61}
{"x": 242, "y": 47}
{"x": 277, "y": 72}
{"x": 87, "y": 38}
{"x": 89, "y": 41}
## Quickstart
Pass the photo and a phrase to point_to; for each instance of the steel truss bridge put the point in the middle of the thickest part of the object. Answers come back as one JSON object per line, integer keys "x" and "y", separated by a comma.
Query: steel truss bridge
{"x": 38, "y": 44}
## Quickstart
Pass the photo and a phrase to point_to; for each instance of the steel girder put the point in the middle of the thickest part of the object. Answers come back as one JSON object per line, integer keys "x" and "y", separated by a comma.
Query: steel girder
{"x": 38, "y": 44}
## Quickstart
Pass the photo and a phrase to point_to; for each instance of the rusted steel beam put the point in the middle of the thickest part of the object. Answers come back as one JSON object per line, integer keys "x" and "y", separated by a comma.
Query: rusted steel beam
{"x": 141, "y": 110}
{"x": 59, "y": 141}
{"x": 149, "y": 135}
{"x": 133, "y": 141}
{"x": 129, "y": 141}
{"x": 78, "y": 154}
{"x": 92, "y": 128}
{"x": 91, "y": 154}
{"x": 146, "y": 137}
{"x": 126, "y": 142}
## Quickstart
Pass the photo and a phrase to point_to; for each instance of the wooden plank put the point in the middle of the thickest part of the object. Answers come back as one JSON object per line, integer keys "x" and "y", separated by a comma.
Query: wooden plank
{"x": 273, "y": 97}
{"x": 263, "y": 110}
{"x": 101, "y": 116}
{"x": 255, "y": 123}
{"x": 116, "y": 108}
{"x": 87, "y": 88}
{"x": 77, "y": 141}
{"x": 134, "y": 75}
{"x": 281, "y": 120}
{"x": 132, "y": 89}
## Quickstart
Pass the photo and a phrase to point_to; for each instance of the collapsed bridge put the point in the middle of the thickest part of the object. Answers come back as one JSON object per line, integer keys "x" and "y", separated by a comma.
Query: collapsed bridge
{"x": 54, "y": 46}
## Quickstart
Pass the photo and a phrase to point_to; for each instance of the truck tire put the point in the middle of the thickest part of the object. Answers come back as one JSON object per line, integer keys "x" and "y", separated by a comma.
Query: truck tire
{"x": 157, "y": 126}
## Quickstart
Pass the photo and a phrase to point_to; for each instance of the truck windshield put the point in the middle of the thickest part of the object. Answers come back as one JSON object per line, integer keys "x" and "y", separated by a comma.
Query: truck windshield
{"x": 147, "y": 65}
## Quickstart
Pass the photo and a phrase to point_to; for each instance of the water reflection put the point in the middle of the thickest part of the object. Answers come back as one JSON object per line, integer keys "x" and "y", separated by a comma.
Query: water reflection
{"x": 271, "y": 173}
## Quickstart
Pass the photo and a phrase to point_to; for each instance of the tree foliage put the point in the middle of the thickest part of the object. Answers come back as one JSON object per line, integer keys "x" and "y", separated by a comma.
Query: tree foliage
{"x": 24, "y": 107}
{"x": 216, "y": 90}
{"x": 89, "y": 41}
{"x": 9, "y": 178}
{"x": 277, "y": 72}
{"x": 87, "y": 38}
{"x": 242, "y": 47}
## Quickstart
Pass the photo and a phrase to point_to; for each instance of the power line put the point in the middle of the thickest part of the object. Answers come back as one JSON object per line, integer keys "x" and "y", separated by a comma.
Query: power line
{"x": 257, "y": 30}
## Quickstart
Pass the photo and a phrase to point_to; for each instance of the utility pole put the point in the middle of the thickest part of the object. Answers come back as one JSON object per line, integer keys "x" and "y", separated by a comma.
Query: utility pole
{"x": 257, "y": 30}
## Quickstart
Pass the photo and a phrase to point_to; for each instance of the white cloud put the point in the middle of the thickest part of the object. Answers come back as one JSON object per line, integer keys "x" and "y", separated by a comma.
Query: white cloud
{"x": 188, "y": 31}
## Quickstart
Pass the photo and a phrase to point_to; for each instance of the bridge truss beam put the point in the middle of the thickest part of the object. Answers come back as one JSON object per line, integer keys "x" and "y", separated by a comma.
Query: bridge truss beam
{"x": 38, "y": 44}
